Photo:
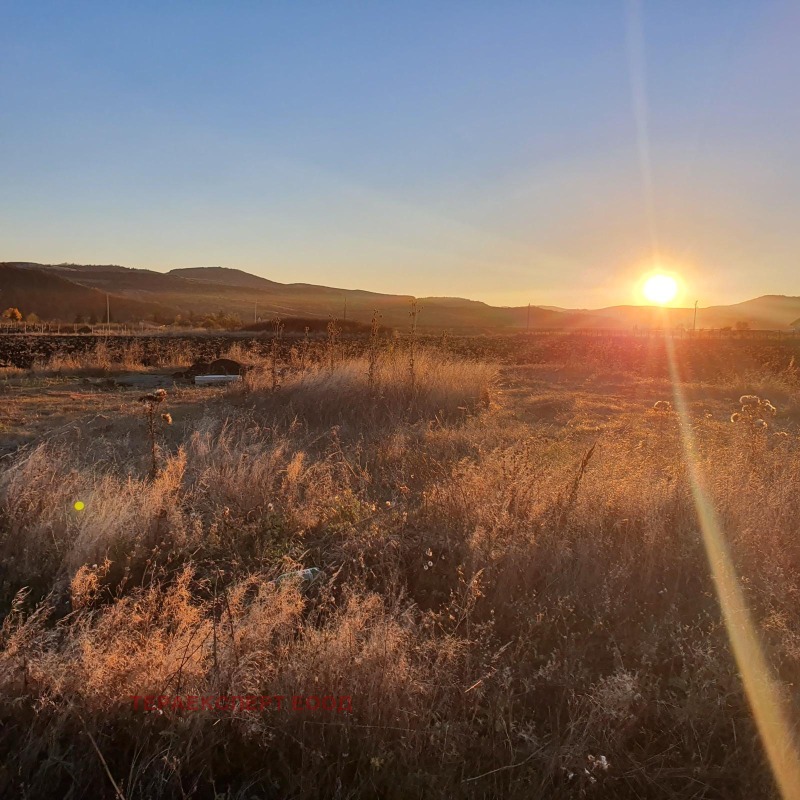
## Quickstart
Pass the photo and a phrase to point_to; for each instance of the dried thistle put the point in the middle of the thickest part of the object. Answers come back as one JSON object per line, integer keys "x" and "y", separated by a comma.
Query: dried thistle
{"x": 158, "y": 396}
{"x": 413, "y": 313}
{"x": 373, "y": 350}
{"x": 334, "y": 332}
{"x": 275, "y": 353}
{"x": 304, "y": 349}
{"x": 754, "y": 409}
{"x": 765, "y": 405}
{"x": 151, "y": 401}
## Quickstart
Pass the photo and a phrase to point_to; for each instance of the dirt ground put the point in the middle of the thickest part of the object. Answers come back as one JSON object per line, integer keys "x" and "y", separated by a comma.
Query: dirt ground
{"x": 564, "y": 397}
{"x": 32, "y": 409}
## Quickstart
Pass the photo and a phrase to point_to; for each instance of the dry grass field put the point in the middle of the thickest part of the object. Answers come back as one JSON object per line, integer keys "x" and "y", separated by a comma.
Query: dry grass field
{"x": 514, "y": 598}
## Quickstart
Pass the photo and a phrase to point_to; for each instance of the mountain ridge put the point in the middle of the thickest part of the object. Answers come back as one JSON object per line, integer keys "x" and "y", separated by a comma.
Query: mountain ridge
{"x": 52, "y": 290}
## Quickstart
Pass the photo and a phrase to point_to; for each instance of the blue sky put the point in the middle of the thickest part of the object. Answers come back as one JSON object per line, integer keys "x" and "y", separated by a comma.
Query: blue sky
{"x": 504, "y": 151}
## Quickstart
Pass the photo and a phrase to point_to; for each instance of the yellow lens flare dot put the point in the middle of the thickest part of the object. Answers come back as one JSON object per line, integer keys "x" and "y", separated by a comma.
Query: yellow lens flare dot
{"x": 79, "y": 505}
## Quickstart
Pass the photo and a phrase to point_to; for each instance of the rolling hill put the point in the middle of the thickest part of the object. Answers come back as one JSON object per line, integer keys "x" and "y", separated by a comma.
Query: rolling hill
{"x": 53, "y": 297}
{"x": 212, "y": 289}
{"x": 770, "y": 312}
{"x": 64, "y": 291}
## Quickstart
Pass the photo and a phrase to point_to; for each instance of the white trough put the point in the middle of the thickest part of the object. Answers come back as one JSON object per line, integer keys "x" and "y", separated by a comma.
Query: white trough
{"x": 201, "y": 380}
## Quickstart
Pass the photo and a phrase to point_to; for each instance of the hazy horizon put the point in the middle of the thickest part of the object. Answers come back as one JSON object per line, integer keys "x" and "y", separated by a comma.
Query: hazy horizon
{"x": 510, "y": 155}
{"x": 365, "y": 288}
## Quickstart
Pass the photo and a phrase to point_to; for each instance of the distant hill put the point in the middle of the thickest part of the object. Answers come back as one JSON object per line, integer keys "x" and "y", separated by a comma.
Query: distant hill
{"x": 64, "y": 290}
{"x": 207, "y": 290}
{"x": 771, "y": 312}
{"x": 225, "y": 276}
{"x": 52, "y": 297}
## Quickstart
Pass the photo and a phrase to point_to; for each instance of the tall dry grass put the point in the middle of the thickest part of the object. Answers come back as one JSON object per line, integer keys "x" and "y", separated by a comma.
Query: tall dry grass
{"x": 513, "y": 613}
{"x": 367, "y": 391}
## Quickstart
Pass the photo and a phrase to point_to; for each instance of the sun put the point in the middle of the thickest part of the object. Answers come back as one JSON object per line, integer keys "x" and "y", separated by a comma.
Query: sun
{"x": 660, "y": 289}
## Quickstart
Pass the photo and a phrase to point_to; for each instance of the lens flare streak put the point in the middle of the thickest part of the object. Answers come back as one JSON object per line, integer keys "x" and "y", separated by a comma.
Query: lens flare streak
{"x": 762, "y": 691}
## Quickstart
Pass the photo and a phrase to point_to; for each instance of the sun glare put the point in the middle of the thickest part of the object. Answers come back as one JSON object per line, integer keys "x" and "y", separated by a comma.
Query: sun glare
{"x": 660, "y": 289}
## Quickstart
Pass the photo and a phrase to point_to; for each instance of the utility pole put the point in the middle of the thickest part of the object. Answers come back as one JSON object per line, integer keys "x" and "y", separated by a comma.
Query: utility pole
{"x": 694, "y": 324}
{"x": 528, "y": 323}
{"x": 345, "y": 308}
{"x": 108, "y": 315}
{"x": 255, "y": 311}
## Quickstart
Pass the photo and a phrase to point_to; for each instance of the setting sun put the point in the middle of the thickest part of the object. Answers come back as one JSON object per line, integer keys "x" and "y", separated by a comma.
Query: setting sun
{"x": 660, "y": 289}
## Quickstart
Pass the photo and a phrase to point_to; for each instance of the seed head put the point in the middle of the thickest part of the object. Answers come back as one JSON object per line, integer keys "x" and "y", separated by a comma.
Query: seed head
{"x": 167, "y": 418}
{"x": 736, "y": 416}
{"x": 765, "y": 405}
{"x": 749, "y": 400}
{"x": 158, "y": 396}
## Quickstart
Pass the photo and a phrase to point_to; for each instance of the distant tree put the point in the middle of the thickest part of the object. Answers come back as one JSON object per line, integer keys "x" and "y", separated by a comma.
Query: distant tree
{"x": 13, "y": 314}
{"x": 93, "y": 319}
{"x": 742, "y": 325}
{"x": 33, "y": 318}
{"x": 79, "y": 319}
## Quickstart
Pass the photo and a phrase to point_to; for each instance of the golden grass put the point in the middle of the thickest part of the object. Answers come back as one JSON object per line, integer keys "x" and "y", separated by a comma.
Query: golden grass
{"x": 445, "y": 388}
{"x": 513, "y": 613}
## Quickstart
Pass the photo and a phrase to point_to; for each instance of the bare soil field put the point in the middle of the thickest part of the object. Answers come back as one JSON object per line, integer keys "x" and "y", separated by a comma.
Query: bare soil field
{"x": 515, "y": 595}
